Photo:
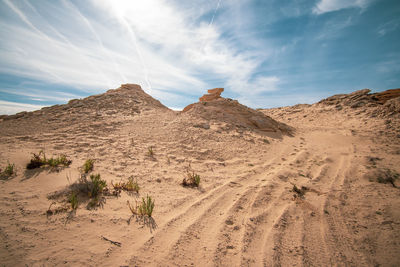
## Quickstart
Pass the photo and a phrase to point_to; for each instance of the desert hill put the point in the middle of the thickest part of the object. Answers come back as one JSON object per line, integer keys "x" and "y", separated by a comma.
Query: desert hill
{"x": 311, "y": 185}
{"x": 126, "y": 101}
{"x": 212, "y": 107}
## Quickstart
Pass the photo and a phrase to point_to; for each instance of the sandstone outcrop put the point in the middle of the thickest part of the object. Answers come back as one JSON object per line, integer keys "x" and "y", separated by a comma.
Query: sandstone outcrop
{"x": 361, "y": 98}
{"x": 212, "y": 94}
{"x": 214, "y": 108}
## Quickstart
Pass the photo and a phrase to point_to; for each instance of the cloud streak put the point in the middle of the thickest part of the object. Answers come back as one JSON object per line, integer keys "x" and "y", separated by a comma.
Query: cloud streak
{"x": 324, "y": 6}
{"x": 154, "y": 43}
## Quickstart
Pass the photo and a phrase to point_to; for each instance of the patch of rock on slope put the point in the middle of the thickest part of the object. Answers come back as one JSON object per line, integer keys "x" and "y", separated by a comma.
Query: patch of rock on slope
{"x": 116, "y": 104}
{"x": 383, "y": 104}
{"x": 213, "y": 108}
{"x": 377, "y": 114}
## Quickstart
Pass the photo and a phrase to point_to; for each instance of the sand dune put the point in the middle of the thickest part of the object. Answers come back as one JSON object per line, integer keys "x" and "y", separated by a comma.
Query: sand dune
{"x": 246, "y": 211}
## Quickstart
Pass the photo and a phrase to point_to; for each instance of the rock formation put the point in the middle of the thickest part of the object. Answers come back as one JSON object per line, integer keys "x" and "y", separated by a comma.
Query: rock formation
{"x": 361, "y": 98}
{"x": 214, "y": 108}
{"x": 212, "y": 94}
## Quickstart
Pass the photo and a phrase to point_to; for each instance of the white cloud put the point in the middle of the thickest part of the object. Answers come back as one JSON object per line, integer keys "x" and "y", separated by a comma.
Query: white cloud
{"x": 324, "y": 6}
{"x": 7, "y": 107}
{"x": 158, "y": 44}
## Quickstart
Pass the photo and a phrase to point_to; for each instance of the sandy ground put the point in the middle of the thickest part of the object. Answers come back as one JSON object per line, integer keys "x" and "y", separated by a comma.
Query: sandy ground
{"x": 245, "y": 212}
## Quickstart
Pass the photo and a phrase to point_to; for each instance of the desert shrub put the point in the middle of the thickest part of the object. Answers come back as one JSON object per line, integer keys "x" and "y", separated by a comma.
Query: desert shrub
{"x": 117, "y": 185}
{"x": 73, "y": 200}
{"x": 60, "y": 160}
{"x": 96, "y": 185}
{"x": 131, "y": 185}
{"x": 299, "y": 191}
{"x": 88, "y": 166}
{"x": 145, "y": 208}
{"x": 387, "y": 176}
{"x": 9, "y": 171}
{"x": 191, "y": 179}
{"x": 39, "y": 160}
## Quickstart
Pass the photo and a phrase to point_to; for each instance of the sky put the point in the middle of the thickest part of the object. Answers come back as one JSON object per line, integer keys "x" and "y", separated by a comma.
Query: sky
{"x": 266, "y": 54}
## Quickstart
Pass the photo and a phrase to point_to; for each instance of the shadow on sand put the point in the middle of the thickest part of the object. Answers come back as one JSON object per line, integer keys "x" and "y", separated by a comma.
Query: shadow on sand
{"x": 145, "y": 221}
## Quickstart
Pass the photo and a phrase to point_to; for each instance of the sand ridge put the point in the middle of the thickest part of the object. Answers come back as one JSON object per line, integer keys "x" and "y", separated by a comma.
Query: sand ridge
{"x": 245, "y": 212}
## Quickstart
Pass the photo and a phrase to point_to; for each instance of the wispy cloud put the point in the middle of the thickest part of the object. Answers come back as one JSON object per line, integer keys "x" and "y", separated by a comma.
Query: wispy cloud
{"x": 324, "y": 6}
{"x": 158, "y": 44}
{"x": 7, "y": 107}
{"x": 388, "y": 27}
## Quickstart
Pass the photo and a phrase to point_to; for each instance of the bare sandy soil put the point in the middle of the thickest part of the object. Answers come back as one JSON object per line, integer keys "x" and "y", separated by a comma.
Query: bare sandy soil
{"x": 245, "y": 212}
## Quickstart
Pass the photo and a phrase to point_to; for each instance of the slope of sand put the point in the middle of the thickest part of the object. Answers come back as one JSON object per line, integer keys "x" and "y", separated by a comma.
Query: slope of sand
{"x": 245, "y": 211}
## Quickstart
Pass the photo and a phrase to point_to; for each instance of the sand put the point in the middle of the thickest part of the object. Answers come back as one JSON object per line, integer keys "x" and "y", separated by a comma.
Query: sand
{"x": 245, "y": 212}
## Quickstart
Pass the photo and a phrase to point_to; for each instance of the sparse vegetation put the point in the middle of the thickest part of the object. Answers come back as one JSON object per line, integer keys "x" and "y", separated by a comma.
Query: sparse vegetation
{"x": 96, "y": 186}
{"x": 88, "y": 166}
{"x": 118, "y": 185}
{"x": 299, "y": 191}
{"x": 9, "y": 171}
{"x": 73, "y": 200}
{"x": 144, "y": 209}
{"x": 147, "y": 206}
{"x": 150, "y": 152}
{"x": 39, "y": 160}
{"x": 60, "y": 160}
{"x": 191, "y": 179}
{"x": 131, "y": 185}
{"x": 387, "y": 176}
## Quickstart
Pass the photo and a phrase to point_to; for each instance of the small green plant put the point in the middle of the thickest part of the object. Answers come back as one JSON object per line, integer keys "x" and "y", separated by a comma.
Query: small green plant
{"x": 37, "y": 160}
{"x": 96, "y": 186}
{"x": 73, "y": 200}
{"x": 9, "y": 171}
{"x": 144, "y": 209}
{"x": 150, "y": 151}
{"x": 191, "y": 179}
{"x": 131, "y": 185}
{"x": 88, "y": 166}
{"x": 60, "y": 160}
{"x": 147, "y": 206}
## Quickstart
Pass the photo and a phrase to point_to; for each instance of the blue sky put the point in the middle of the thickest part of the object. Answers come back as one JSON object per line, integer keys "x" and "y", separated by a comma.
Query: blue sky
{"x": 264, "y": 53}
